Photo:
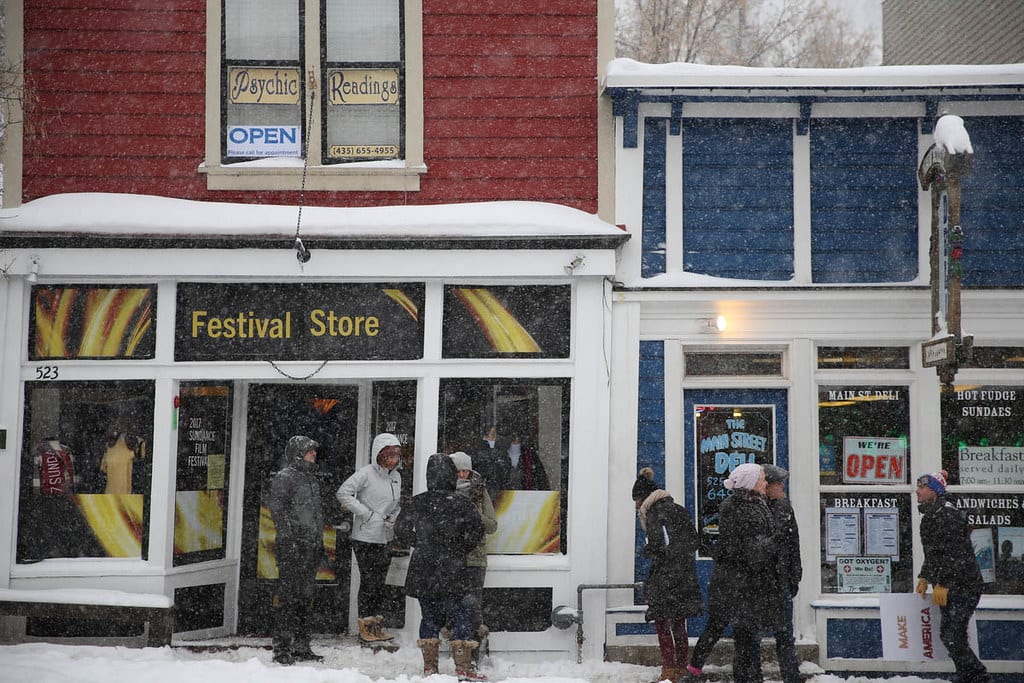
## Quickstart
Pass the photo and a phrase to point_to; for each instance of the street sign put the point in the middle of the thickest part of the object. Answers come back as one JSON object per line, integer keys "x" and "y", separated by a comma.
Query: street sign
{"x": 938, "y": 351}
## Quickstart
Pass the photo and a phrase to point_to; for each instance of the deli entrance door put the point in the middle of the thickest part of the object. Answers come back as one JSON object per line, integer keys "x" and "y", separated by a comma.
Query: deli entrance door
{"x": 329, "y": 414}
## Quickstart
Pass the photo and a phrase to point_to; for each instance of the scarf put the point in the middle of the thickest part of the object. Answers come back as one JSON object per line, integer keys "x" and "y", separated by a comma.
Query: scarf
{"x": 650, "y": 500}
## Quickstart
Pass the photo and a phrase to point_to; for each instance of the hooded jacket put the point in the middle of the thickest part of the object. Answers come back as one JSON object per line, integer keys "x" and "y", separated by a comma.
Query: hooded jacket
{"x": 294, "y": 499}
{"x": 475, "y": 489}
{"x": 372, "y": 494}
{"x": 671, "y": 588}
{"x": 442, "y": 527}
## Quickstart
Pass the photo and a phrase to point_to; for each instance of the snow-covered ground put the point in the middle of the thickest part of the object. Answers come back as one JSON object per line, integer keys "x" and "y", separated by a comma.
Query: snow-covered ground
{"x": 50, "y": 663}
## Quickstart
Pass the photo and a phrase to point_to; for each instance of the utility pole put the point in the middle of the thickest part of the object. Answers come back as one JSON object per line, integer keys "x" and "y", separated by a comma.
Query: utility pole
{"x": 944, "y": 164}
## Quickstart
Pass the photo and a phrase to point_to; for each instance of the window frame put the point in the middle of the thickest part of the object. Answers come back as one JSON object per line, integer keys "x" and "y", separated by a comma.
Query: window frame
{"x": 402, "y": 175}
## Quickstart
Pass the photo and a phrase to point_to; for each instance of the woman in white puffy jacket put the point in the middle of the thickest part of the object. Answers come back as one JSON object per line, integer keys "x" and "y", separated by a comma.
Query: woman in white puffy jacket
{"x": 372, "y": 495}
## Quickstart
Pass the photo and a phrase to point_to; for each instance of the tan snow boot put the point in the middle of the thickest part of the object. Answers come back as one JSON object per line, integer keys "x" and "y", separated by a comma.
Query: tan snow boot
{"x": 367, "y": 627}
{"x": 429, "y": 648}
{"x": 465, "y": 668}
{"x": 378, "y": 629}
{"x": 669, "y": 674}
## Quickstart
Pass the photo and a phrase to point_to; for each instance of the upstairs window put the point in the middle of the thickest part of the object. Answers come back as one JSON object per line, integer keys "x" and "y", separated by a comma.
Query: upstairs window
{"x": 316, "y": 94}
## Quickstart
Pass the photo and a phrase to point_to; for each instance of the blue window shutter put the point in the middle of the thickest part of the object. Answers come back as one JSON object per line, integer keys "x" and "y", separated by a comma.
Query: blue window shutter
{"x": 738, "y": 198}
{"x": 653, "y": 231}
{"x": 863, "y": 200}
{"x": 992, "y": 204}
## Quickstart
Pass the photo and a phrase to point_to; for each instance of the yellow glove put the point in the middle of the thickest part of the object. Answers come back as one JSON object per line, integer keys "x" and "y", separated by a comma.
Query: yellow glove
{"x": 940, "y": 594}
{"x": 922, "y": 587}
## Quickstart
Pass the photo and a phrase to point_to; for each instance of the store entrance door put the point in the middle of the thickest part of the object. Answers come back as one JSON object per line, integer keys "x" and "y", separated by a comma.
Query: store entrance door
{"x": 329, "y": 414}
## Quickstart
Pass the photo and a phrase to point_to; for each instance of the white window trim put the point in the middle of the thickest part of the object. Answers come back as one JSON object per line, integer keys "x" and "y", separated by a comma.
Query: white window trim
{"x": 402, "y": 175}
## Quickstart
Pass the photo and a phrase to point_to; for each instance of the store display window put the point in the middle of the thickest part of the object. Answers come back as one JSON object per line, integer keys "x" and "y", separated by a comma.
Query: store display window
{"x": 85, "y": 475}
{"x": 863, "y": 435}
{"x": 517, "y": 434}
{"x": 983, "y": 446}
{"x": 201, "y": 489}
{"x": 91, "y": 321}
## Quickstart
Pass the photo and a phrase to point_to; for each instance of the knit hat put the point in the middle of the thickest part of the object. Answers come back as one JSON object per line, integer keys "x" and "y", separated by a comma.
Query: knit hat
{"x": 745, "y": 476}
{"x": 461, "y": 460}
{"x": 774, "y": 474}
{"x": 936, "y": 481}
{"x": 380, "y": 442}
{"x": 644, "y": 484}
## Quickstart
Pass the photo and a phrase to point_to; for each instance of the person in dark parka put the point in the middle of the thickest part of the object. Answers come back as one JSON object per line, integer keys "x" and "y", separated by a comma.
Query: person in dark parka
{"x": 745, "y": 590}
{"x": 671, "y": 588}
{"x": 294, "y": 504}
{"x": 442, "y": 527}
{"x": 952, "y": 569}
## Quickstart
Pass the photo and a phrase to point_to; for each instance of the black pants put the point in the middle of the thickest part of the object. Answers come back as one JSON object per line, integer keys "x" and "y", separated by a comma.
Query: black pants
{"x": 373, "y": 560}
{"x": 953, "y": 633}
{"x": 706, "y": 643}
{"x": 297, "y": 565}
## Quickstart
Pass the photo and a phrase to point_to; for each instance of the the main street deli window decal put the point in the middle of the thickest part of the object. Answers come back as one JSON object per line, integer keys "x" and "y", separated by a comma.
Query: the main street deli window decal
{"x": 866, "y": 543}
{"x": 200, "y": 497}
{"x": 88, "y": 321}
{"x": 727, "y": 436}
{"x": 283, "y": 321}
{"x": 528, "y": 321}
{"x": 983, "y": 435}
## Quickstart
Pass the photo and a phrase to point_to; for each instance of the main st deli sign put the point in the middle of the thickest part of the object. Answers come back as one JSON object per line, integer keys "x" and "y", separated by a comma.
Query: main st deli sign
{"x": 307, "y": 321}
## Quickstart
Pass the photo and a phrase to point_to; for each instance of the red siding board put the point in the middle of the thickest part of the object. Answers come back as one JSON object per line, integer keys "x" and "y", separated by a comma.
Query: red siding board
{"x": 117, "y": 102}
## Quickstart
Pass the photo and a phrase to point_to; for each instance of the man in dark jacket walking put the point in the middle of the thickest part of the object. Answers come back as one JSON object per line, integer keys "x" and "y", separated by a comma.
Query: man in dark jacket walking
{"x": 790, "y": 569}
{"x": 951, "y": 568}
{"x": 298, "y": 518}
{"x": 442, "y": 527}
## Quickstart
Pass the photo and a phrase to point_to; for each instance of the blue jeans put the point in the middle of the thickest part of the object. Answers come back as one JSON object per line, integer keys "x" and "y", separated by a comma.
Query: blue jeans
{"x": 450, "y": 610}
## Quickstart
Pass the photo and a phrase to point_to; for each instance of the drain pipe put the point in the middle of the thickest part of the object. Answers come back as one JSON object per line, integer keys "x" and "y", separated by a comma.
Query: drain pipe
{"x": 564, "y": 616}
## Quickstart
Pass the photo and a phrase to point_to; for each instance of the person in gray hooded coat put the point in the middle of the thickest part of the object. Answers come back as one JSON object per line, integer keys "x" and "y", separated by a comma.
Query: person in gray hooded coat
{"x": 294, "y": 504}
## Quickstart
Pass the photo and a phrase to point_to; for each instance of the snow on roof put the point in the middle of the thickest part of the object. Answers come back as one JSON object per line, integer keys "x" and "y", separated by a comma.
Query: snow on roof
{"x": 628, "y": 73}
{"x": 144, "y": 215}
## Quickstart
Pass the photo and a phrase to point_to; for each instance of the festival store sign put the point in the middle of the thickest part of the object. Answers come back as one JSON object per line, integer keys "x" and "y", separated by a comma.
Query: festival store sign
{"x": 728, "y": 436}
{"x": 288, "y": 321}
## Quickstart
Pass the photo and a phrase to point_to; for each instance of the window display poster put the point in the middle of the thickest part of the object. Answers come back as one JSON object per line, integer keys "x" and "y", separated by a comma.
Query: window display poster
{"x": 728, "y": 436}
{"x": 882, "y": 532}
{"x": 842, "y": 532}
{"x": 92, "y": 322}
{"x": 524, "y": 321}
{"x": 997, "y": 532}
{"x": 910, "y": 629}
{"x": 864, "y": 574}
{"x": 983, "y": 437}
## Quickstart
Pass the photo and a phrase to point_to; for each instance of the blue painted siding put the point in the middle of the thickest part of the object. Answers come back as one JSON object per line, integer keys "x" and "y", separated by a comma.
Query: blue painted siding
{"x": 652, "y": 259}
{"x": 862, "y": 639}
{"x": 992, "y": 202}
{"x": 650, "y": 447}
{"x": 738, "y": 198}
{"x": 863, "y": 200}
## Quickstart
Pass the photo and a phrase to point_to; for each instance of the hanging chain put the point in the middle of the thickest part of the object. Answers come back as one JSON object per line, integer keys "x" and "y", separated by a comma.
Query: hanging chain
{"x": 301, "y": 253}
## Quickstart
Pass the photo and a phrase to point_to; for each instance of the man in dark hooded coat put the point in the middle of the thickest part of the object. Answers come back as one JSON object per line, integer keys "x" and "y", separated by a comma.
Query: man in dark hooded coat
{"x": 442, "y": 527}
{"x": 299, "y": 520}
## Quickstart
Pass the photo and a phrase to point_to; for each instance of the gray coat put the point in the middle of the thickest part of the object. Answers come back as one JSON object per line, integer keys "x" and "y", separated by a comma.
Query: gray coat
{"x": 295, "y": 505}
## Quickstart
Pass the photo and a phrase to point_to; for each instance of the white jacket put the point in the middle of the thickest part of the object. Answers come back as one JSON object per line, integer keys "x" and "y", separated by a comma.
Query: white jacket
{"x": 372, "y": 495}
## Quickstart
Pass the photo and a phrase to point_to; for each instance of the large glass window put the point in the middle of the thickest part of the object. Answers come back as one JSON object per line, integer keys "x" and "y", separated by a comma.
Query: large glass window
{"x": 864, "y": 451}
{"x": 321, "y": 80}
{"x": 983, "y": 447}
{"x": 201, "y": 491}
{"x": 85, "y": 470}
{"x": 517, "y": 434}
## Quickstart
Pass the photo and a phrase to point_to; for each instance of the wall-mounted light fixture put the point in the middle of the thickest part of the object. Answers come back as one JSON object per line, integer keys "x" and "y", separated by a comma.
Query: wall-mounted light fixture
{"x": 571, "y": 267}
{"x": 33, "y": 270}
{"x": 714, "y": 325}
